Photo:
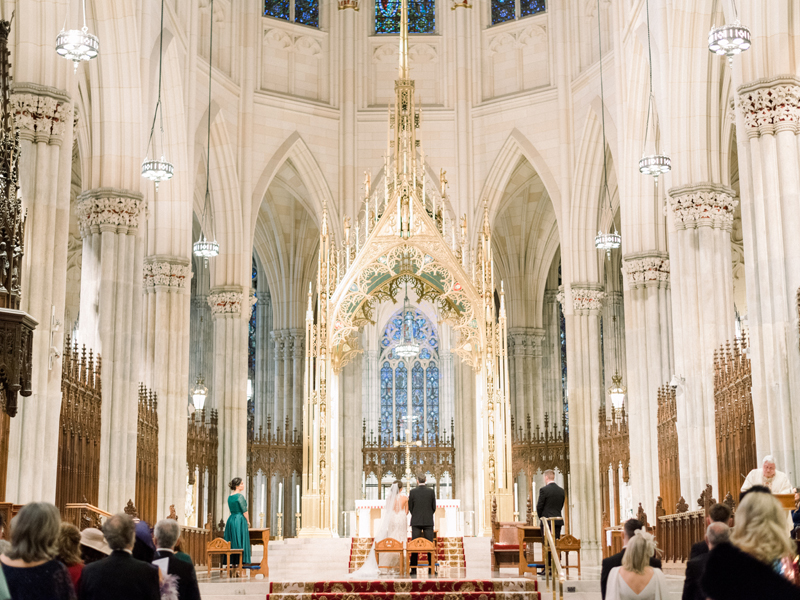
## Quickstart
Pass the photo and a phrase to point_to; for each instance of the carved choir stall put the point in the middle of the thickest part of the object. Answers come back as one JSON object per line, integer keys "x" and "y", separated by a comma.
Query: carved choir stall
{"x": 16, "y": 326}
{"x": 540, "y": 449}
{"x": 78, "y": 474}
{"x": 668, "y": 468}
{"x": 615, "y": 455}
{"x": 733, "y": 412}
{"x": 279, "y": 453}
{"x": 202, "y": 444}
{"x": 147, "y": 455}
{"x": 436, "y": 456}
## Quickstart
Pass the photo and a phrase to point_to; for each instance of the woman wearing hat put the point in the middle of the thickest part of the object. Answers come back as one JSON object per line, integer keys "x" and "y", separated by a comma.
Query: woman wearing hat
{"x": 93, "y": 546}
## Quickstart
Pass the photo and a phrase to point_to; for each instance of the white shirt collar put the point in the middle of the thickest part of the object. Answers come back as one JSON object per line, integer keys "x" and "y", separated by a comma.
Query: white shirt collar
{"x": 170, "y": 550}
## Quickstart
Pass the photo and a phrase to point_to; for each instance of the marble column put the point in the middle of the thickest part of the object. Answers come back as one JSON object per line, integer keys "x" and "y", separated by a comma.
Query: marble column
{"x": 648, "y": 323}
{"x": 584, "y": 386}
{"x": 277, "y": 337}
{"x": 44, "y": 116}
{"x": 298, "y": 358}
{"x": 552, "y": 396}
{"x": 264, "y": 376}
{"x": 166, "y": 347}
{"x": 525, "y": 374}
{"x": 230, "y": 307}
{"x": 767, "y": 118}
{"x": 371, "y": 394}
{"x": 702, "y": 299}
{"x": 201, "y": 336}
{"x": 111, "y": 318}
{"x": 613, "y": 339}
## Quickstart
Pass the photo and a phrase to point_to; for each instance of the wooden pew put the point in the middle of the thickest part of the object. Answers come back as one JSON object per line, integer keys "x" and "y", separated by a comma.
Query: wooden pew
{"x": 260, "y": 537}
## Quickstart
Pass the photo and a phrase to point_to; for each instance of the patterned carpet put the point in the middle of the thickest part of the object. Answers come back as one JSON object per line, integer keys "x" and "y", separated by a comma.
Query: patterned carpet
{"x": 451, "y": 552}
{"x": 427, "y": 589}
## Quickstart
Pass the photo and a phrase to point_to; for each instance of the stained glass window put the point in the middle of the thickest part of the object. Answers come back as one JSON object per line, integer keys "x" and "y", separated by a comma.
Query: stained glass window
{"x": 421, "y": 16}
{"x": 251, "y": 343}
{"x": 423, "y": 385}
{"x": 562, "y": 324}
{"x": 508, "y": 10}
{"x": 305, "y": 12}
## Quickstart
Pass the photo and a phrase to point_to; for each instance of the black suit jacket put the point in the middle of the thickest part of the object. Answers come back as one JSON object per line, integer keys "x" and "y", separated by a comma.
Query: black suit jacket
{"x": 119, "y": 577}
{"x": 187, "y": 579}
{"x": 698, "y": 549}
{"x": 615, "y": 560}
{"x": 551, "y": 501}
{"x": 734, "y": 575}
{"x": 694, "y": 573}
{"x": 422, "y": 505}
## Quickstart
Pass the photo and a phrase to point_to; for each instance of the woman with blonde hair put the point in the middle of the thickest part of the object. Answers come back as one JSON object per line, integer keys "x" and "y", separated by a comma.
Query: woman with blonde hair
{"x": 759, "y": 560}
{"x": 636, "y": 579}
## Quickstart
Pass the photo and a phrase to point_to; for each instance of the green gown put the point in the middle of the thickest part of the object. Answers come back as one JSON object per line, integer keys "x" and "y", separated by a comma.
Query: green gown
{"x": 236, "y": 530}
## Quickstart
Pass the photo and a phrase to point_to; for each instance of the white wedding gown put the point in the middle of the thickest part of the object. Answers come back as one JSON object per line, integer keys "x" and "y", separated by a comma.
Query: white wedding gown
{"x": 393, "y": 524}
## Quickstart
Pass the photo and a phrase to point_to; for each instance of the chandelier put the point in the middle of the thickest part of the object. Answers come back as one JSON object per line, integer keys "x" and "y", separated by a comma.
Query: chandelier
{"x": 77, "y": 45}
{"x": 206, "y": 248}
{"x": 617, "y": 391}
{"x": 199, "y": 393}
{"x": 729, "y": 40}
{"x": 657, "y": 163}
{"x": 408, "y": 348}
{"x": 157, "y": 170}
{"x": 605, "y": 241}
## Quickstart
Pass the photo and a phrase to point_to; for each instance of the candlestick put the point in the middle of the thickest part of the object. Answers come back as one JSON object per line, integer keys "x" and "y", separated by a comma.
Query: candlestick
{"x": 261, "y": 520}
{"x": 298, "y": 498}
{"x": 297, "y": 523}
{"x": 279, "y": 533}
{"x": 280, "y": 497}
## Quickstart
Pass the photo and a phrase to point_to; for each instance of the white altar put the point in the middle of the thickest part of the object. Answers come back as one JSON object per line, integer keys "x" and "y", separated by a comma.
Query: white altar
{"x": 368, "y": 514}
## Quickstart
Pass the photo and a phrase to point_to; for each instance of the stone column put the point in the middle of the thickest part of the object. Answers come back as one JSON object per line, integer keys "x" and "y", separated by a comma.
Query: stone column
{"x": 525, "y": 370}
{"x": 702, "y": 278}
{"x": 111, "y": 301}
{"x": 298, "y": 358}
{"x": 202, "y": 345}
{"x": 583, "y": 357}
{"x": 262, "y": 399}
{"x": 277, "y": 411}
{"x": 551, "y": 358}
{"x": 166, "y": 285}
{"x": 372, "y": 391}
{"x": 463, "y": 105}
{"x": 44, "y": 117}
{"x": 230, "y": 307}
{"x": 767, "y": 117}
{"x": 648, "y": 322}
{"x": 613, "y": 339}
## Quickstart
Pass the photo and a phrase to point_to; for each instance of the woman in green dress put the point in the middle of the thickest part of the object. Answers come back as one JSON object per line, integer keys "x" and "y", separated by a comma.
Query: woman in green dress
{"x": 238, "y": 524}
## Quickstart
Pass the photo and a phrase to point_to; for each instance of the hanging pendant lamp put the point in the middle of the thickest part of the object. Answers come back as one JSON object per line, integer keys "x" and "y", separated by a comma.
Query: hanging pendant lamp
{"x": 208, "y": 247}
{"x": 729, "y": 40}
{"x": 657, "y": 163}
{"x": 617, "y": 391}
{"x": 408, "y": 348}
{"x": 158, "y": 170}
{"x": 77, "y": 45}
{"x": 605, "y": 241}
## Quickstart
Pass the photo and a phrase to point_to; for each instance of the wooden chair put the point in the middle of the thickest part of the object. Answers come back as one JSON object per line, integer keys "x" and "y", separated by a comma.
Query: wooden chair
{"x": 504, "y": 543}
{"x": 391, "y": 546}
{"x": 565, "y": 545}
{"x": 219, "y": 547}
{"x": 427, "y": 549}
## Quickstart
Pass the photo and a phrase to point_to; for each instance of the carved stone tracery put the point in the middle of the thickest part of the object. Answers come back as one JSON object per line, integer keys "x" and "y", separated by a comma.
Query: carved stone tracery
{"x": 101, "y": 208}
{"x": 703, "y": 205}
{"x": 166, "y": 273}
{"x": 639, "y": 271}
{"x": 770, "y": 105}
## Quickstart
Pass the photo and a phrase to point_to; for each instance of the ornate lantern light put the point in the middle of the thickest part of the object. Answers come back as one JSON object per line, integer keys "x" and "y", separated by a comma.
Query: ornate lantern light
{"x": 199, "y": 394}
{"x": 657, "y": 163}
{"x": 408, "y": 348}
{"x": 729, "y": 40}
{"x": 77, "y": 45}
{"x": 617, "y": 391}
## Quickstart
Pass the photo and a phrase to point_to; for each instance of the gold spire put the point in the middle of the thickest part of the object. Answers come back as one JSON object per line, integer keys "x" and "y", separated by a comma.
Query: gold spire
{"x": 403, "y": 39}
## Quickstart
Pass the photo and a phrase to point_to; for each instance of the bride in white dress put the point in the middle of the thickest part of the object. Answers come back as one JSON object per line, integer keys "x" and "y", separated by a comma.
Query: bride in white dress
{"x": 393, "y": 524}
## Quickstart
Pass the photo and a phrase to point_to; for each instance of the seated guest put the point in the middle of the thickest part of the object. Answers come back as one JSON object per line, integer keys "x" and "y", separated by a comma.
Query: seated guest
{"x": 179, "y": 553}
{"x": 93, "y": 546}
{"x": 143, "y": 547}
{"x": 757, "y": 561}
{"x": 628, "y": 530}
{"x": 718, "y": 513}
{"x": 716, "y": 533}
{"x": 636, "y": 579}
{"x": 775, "y": 481}
{"x": 69, "y": 553}
{"x": 30, "y": 567}
{"x": 120, "y": 576}
{"x": 167, "y": 532}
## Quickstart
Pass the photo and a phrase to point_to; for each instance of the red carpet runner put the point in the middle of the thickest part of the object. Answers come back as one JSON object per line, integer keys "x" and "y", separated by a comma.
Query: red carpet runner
{"x": 418, "y": 589}
{"x": 451, "y": 552}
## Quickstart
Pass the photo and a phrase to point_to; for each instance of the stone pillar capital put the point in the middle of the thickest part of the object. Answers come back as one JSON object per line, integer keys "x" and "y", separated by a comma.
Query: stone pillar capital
{"x": 230, "y": 301}
{"x": 110, "y": 208}
{"x": 703, "y": 205}
{"x": 770, "y": 105}
{"x": 525, "y": 341}
{"x": 41, "y": 113}
{"x": 646, "y": 269}
{"x": 587, "y": 298}
{"x": 166, "y": 271}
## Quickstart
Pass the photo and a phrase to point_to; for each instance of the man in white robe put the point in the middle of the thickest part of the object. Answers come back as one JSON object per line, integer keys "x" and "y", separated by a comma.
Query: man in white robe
{"x": 768, "y": 476}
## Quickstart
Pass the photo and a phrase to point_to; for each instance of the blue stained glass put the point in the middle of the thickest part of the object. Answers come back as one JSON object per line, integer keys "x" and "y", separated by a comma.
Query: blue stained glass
{"x": 562, "y": 324}
{"x": 401, "y": 394}
{"x": 421, "y": 16}
{"x": 418, "y": 398}
{"x": 306, "y": 12}
{"x": 432, "y": 376}
{"x": 531, "y": 7}
{"x": 251, "y": 341}
{"x": 277, "y": 8}
{"x": 424, "y": 354}
{"x": 387, "y": 404}
{"x": 502, "y": 10}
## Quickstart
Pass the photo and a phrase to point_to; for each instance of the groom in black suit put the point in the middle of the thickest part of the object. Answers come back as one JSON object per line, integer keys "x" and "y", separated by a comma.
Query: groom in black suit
{"x": 422, "y": 505}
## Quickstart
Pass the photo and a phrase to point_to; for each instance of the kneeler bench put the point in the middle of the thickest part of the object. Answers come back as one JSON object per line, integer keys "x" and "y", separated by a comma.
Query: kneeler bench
{"x": 219, "y": 547}
{"x": 391, "y": 546}
{"x": 504, "y": 544}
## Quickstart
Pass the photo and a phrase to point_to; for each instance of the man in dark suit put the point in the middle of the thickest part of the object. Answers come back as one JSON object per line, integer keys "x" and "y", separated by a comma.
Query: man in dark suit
{"x": 628, "y": 529}
{"x": 167, "y": 532}
{"x": 718, "y": 513}
{"x": 551, "y": 500}
{"x": 716, "y": 534}
{"x": 120, "y": 576}
{"x": 422, "y": 506}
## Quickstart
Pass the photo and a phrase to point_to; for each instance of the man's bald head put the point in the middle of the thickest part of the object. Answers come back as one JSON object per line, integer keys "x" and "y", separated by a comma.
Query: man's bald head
{"x": 716, "y": 534}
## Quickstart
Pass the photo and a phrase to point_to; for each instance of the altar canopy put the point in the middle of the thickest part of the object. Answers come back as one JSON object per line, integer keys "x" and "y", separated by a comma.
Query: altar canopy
{"x": 405, "y": 235}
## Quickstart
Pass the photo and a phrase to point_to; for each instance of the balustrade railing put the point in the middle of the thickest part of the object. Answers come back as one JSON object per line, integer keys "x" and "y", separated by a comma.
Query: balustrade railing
{"x": 194, "y": 541}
